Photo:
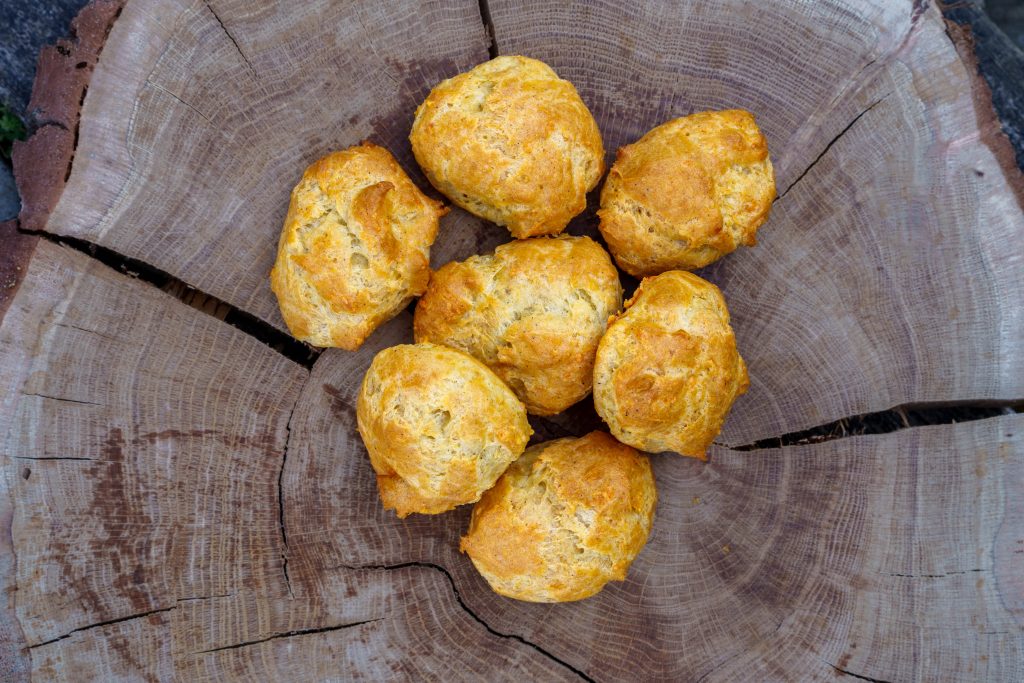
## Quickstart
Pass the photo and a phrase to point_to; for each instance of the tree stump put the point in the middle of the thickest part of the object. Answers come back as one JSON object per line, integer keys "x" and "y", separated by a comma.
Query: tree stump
{"x": 185, "y": 495}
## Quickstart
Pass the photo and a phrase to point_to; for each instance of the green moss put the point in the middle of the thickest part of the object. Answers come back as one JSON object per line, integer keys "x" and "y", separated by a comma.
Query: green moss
{"x": 11, "y": 129}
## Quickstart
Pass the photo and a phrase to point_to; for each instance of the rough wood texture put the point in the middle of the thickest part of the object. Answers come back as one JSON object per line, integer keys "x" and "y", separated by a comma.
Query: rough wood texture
{"x": 179, "y": 501}
{"x": 62, "y": 76}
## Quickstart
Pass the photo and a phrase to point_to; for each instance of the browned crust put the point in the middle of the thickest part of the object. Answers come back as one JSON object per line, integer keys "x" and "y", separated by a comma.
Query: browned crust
{"x": 990, "y": 128}
{"x": 42, "y": 163}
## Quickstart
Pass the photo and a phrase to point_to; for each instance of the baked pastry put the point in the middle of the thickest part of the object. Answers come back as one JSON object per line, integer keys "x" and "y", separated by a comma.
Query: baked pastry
{"x": 511, "y": 142}
{"x": 355, "y": 248}
{"x": 439, "y": 426}
{"x": 565, "y": 519}
{"x": 533, "y": 311}
{"x": 667, "y": 371}
{"x": 687, "y": 193}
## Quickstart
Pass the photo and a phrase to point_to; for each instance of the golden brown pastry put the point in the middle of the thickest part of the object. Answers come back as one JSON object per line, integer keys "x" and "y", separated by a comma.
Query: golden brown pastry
{"x": 565, "y": 519}
{"x": 533, "y": 311}
{"x": 439, "y": 426}
{"x": 355, "y": 247}
{"x": 687, "y": 193}
{"x": 667, "y": 370}
{"x": 511, "y": 142}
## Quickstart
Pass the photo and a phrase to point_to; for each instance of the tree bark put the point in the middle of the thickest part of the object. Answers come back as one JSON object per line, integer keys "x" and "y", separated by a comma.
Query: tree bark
{"x": 184, "y": 494}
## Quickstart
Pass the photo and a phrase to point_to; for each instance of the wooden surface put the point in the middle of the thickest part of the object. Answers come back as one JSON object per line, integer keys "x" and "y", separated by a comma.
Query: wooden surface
{"x": 183, "y": 501}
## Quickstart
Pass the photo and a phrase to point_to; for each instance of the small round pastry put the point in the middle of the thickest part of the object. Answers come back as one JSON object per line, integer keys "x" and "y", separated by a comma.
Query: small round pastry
{"x": 439, "y": 426}
{"x": 355, "y": 248}
{"x": 533, "y": 311}
{"x": 511, "y": 142}
{"x": 667, "y": 370}
{"x": 687, "y": 193}
{"x": 565, "y": 519}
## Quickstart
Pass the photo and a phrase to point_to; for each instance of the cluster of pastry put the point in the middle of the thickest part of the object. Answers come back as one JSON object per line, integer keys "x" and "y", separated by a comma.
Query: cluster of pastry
{"x": 537, "y": 325}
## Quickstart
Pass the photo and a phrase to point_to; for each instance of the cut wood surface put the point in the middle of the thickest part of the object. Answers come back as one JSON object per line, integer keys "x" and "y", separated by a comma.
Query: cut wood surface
{"x": 180, "y": 500}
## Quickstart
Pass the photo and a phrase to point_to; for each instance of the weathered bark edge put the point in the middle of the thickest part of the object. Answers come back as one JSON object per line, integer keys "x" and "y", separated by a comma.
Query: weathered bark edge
{"x": 42, "y": 163}
{"x": 990, "y": 128}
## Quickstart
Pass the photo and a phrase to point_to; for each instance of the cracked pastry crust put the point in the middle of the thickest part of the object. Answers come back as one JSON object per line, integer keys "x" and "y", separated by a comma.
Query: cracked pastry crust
{"x": 511, "y": 142}
{"x": 566, "y": 518}
{"x": 687, "y": 193}
{"x": 439, "y": 427}
{"x": 355, "y": 247}
{"x": 667, "y": 371}
{"x": 533, "y": 312}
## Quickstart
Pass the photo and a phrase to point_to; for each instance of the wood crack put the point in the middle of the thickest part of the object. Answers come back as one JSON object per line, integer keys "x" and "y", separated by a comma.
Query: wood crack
{"x": 264, "y": 332}
{"x": 51, "y": 457}
{"x": 290, "y": 634}
{"x": 853, "y": 675}
{"x": 187, "y": 104}
{"x": 465, "y": 607}
{"x": 103, "y": 623}
{"x": 832, "y": 142}
{"x": 485, "y": 16}
{"x": 206, "y": 597}
{"x": 280, "y": 498}
{"x": 894, "y": 419}
{"x": 62, "y": 399}
{"x": 937, "y": 576}
{"x": 234, "y": 42}
{"x": 86, "y": 329}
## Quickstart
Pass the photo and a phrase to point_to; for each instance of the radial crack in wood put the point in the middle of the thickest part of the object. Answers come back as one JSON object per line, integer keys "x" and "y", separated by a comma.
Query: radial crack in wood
{"x": 858, "y": 676}
{"x": 101, "y": 623}
{"x": 462, "y": 604}
{"x": 290, "y": 634}
{"x": 485, "y": 16}
{"x": 234, "y": 42}
{"x": 828, "y": 146}
{"x": 886, "y": 421}
{"x": 280, "y": 501}
{"x": 279, "y": 341}
{"x": 21, "y": 245}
